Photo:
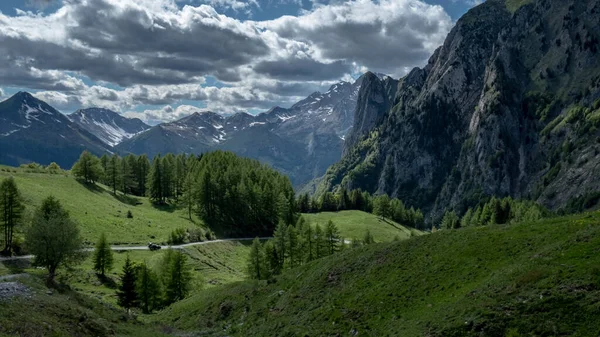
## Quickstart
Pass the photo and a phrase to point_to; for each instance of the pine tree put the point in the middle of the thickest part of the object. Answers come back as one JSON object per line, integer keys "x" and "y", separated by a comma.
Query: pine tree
{"x": 466, "y": 219}
{"x": 155, "y": 181}
{"x": 309, "y": 242}
{"x": 11, "y": 211}
{"x": 87, "y": 168}
{"x": 180, "y": 278}
{"x": 142, "y": 174}
{"x": 104, "y": 164}
{"x": 147, "y": 288}
{"x": 280, "y": 237}
{"x": 53, "y": 237}
{"x": 343, "y": 200}
{"x": 256, "y": 261}
{"x": 189, "y": 193}
{"x": 381, "y": 206}
{"x": 320, "y": 242}
{"x": 103, "y": 256}
{"x": 292, "y": 246}
{"x": 113, "y": 173}
{"x": 126, "y": 294}
{"x": 271, "y": 259}
{"x": 332, "y": 235}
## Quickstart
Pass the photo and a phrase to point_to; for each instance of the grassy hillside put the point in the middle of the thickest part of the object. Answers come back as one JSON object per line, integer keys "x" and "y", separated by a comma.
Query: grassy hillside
{"x": 40, "y": 312}
{"x": 354, "y": 225}
{"x": 213, "y": 264}
{"x": 97, "y": 210}
{"x": 531, "y": 279}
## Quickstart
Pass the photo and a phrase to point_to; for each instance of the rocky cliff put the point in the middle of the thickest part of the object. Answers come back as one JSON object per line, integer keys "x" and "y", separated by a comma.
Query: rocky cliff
{"x": 507, "y": 106}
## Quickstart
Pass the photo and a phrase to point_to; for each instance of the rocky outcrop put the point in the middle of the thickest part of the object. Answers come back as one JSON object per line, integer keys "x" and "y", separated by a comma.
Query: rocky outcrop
{"x": 492, "y": 113}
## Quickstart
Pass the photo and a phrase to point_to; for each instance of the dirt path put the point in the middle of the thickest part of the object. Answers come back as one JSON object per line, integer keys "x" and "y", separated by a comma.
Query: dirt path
{"x": 124, "y": 248}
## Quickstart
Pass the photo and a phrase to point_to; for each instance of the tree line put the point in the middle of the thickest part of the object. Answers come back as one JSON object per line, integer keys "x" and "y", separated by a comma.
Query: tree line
{"x": 495, "y": 212}
{"x": 380, "y": 205}
{"x": 292, "y": 246}
{"x": 232, "y": 195}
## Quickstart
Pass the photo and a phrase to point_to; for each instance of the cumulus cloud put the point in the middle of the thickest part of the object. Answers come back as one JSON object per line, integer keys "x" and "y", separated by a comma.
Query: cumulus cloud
{"x": 384, "y": 36}
{"x": 160, "y": 53}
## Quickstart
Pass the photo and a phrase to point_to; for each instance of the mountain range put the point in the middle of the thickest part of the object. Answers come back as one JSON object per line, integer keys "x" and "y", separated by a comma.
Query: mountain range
{"x": 509, "y": 105}
{"x": 301, "y": 141}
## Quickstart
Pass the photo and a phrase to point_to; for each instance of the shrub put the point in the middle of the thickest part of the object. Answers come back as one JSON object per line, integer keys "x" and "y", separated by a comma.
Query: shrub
{"x": 129, "y": 214}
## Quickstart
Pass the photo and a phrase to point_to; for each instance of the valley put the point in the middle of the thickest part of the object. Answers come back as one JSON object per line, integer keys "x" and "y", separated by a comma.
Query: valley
{"x": 251, "y": 169}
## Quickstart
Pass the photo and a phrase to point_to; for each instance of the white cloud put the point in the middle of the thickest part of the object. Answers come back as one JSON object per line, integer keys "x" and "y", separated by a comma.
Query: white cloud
{"x": 159, "y": 53}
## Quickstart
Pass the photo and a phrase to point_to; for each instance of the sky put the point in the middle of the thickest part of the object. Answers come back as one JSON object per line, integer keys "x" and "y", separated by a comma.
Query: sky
{"x": 160, "y": 60}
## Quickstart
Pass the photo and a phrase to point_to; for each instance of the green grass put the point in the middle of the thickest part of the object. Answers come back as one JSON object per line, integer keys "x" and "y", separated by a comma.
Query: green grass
{"x": 354, "y": 225}
{"x": 97, "y": 210}
{"x": 532, "y": 279}
{"x": 213, "y": 264}
{"x": 65, "y": 313}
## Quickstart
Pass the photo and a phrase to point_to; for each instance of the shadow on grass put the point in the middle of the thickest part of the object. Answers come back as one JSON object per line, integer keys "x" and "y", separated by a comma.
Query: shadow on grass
{"x": 163, "y": 207}
{"x": 92, "y": 187}
{"x": 400, "y": 228}
{"x": 107, "y": 281}
{"x": 16, "y": 266}
{"x": 127, "y": 199}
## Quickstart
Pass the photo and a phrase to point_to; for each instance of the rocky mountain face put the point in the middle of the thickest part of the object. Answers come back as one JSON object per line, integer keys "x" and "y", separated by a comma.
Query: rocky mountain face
{"x": 31, "y": 130}
{"x": 509, "y": 105}
{"x": 301, "y": 141}
{"x": 107, "y": 125}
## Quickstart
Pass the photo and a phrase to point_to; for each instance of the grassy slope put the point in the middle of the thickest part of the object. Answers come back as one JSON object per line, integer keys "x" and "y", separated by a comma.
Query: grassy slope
{"x": 213, "y": 264}
{"x": 354, "y": 225}
{"x": 64, "y": 313}
{"x": 538, "y": 279}
{"x": 97, "y": 210}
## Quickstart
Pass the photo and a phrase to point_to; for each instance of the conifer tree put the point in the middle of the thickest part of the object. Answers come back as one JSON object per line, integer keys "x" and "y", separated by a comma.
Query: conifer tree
{"x": 256, "y": 261}
{"x": 271, "y": 259}
{"x": 155, "y": 181}
{"x": 127, "y": 296}
{"x": 113, "y": 173}
{"x": 87, "y": 168}
{"x": 180, "y": 278}
{"x": 143, "y": 166}
{"x": 292, "y": 246}
{"x": 381, "y": 206}
{"x": 103, "y": 256}
{"x": 147, "y": 288}
{"x": 11, "y": 211}
{"x": 332, "y": 235}
{"x": 320, "y": 242}
{"x": 309, "y": 242}
{"x": 280, "y": 237}
{"x": 53, "y": 237}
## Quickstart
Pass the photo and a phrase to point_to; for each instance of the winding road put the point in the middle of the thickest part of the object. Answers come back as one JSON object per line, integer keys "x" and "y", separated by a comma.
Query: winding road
{"x": 125, "y": 248}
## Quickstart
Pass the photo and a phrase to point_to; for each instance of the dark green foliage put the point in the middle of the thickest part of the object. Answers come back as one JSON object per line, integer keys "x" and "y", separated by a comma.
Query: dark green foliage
{"x": 129, "y": 214}
{"x": 155, "y": 181}
{"x": 179, "y": 279}
{"x": 178, "y": 236}
{"x": 127, "y": 296}
{"x": 368, "y": 239}
{"x": 53, "y": 237}
{"x": 103, "y": 256}
{"x": 582, "y": 203}
{"x": 236, "y": 196}
{"x": 332, "y": 236}
{"x": 87, "y": 168}
{"x": 148, "y": 289}
{"x": 382, "y": 207}
{"x": 11, "y": 211}
{"x": 450, "y": 220}
{"x": 503, "y": 211}
{"x": 257, "y": 264}
{"x": 112, "y": 175}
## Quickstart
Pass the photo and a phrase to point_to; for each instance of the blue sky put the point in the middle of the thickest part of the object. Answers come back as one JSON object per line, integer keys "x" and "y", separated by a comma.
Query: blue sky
{"x": 163, "y": 59}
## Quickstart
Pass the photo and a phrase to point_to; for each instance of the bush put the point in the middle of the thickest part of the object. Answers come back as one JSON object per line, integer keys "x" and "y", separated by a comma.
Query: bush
{"x": 196, "y": 234}
{"x": 178, "y": 237}
{"x": 129, "y": 214}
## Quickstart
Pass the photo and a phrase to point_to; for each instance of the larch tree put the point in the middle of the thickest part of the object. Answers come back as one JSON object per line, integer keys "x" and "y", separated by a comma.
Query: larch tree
{"x": 256, "y": 261}
{"x": 11, "y": 211}
{"x": 127, "y": 295}
{"x": 87, "y": 168}
{"x": 53, "y": 237}
{"x": 179, "y": 279}
{"x": 103, "y": 256}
